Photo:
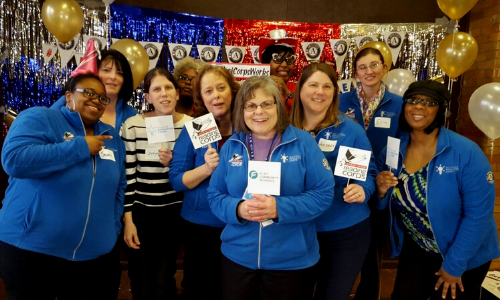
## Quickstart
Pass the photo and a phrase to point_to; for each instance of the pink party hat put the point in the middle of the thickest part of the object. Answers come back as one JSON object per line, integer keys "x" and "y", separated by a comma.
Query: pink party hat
{"x": 89, "y": 61}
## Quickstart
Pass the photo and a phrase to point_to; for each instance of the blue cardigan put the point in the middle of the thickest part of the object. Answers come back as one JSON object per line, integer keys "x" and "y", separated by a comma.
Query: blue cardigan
{"x": 460, "y": 201}
{"x": 306, "y": 191}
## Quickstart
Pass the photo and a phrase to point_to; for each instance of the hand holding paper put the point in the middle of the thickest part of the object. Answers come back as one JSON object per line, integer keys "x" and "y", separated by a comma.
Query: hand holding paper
{"x": 354, "y": 193}
{"x": 384, "y": 181}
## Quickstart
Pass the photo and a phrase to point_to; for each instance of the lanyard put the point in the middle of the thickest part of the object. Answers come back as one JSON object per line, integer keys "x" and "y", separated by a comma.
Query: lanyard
{"x": 250, "y": 142}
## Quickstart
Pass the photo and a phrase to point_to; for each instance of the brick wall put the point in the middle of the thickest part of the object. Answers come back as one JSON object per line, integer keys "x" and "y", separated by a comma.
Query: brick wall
{"x": 485, "y": 27}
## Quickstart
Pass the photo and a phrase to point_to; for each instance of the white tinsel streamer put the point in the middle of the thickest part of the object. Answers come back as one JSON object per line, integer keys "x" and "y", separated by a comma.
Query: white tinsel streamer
{"x": 418, "y": 52}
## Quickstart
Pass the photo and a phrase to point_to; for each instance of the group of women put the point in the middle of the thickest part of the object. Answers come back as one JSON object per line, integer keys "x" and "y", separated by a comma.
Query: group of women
{"x": 308, "y": 240}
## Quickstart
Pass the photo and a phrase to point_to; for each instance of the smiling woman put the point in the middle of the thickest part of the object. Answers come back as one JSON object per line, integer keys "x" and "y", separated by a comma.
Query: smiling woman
{"x": 152, "y": 207}
{"x": 344, "y": 229}
{"x": 50, "y": 234}
{"x": 269, "y": 243}
{"x": 441, "y": 198}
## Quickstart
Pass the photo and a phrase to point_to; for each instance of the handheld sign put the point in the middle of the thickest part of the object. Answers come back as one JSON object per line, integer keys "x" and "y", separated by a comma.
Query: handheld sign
{"x": 203, "y": 131}
{"x": 392, "y": 152}
{"x": 264, "y": 177}
{"x": 160, "y": 129}
{"x": 352, "y": 163}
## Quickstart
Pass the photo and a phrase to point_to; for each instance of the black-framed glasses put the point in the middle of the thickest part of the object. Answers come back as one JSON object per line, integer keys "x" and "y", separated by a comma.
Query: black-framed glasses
{"x": 277, "y": 58}
{"x": 424, "y": 101}
{"x": 185, "y": 79}
{"x": 250, "y": 106}
{"x": 91, "y": 94}
{"x": 372, "y": 66}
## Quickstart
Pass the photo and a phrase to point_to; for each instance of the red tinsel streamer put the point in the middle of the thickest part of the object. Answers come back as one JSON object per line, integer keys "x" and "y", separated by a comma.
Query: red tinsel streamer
{"x": 248, "y": 32}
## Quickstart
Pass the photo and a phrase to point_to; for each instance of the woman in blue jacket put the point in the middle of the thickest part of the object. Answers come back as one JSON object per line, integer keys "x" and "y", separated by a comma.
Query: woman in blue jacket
{"x": 61, "y": 213}
{"x": 344, "y": 229}
{"x": 190, "y": 170}
{"x": 377, "y": 110}
{"x": 269, "y": 242}
{"x": 441, "y": 203}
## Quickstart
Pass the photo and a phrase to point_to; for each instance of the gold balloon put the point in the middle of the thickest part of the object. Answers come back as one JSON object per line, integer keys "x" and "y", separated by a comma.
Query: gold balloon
{"x": 137, "y": 58}
{"x": 455, "y": 9}
{"x": 63, "y": 18}
{"x": 383, "y": 48}
{"x": 456, "y": 53}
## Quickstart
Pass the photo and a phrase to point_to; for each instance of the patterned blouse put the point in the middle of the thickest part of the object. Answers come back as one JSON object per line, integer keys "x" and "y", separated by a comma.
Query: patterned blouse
{"x": 409, "y": 200}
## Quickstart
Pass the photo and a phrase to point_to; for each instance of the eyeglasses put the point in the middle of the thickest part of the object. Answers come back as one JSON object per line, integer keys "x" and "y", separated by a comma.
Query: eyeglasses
{"x": 91, "y": 94}
{"x": 249, "y": 106}
{"x": 372, "y": 66}
{"x": 424, "y": 101}
{"x": 185, "y": 79}
{"x": 280, "y": 58}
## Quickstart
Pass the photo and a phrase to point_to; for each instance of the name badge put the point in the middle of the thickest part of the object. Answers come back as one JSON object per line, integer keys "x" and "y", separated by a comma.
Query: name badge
{"x": 382, "y": 122}
{"x": 327, "y": 145}
{"x": 151, "y": 154}
{"x": 107, "y": 154}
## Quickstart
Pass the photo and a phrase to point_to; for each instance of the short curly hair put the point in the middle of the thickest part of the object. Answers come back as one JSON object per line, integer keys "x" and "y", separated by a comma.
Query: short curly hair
{"x": 187, "y": 63}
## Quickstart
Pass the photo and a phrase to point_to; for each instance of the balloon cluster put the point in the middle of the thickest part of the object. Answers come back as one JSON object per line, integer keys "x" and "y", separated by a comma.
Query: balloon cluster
{"x": 457, "y": 52}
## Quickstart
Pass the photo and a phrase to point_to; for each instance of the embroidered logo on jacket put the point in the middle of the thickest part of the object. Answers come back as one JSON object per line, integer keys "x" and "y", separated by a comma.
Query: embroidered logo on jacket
{"x": 68, "y": 136}
{"x": 444, "y": 169}
{"x": 236, "y": 160}
{"x": 489, "y": 177}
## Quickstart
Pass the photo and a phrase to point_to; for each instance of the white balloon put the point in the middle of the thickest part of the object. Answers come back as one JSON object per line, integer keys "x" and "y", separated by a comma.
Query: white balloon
{"x": 108, "y": 1}
{"x": 398, "y": 80}
{"x": 484, "y": 109}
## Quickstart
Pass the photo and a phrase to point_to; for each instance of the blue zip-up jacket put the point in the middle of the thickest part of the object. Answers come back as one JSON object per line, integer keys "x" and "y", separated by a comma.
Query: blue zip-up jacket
{"x": 388, "y": 108}
{"x": 61, "y": 201}
{"x": 306, "y": 192}
{"x": 195, "y": 207}
{"x": 123, "y": 110}
{"x": 460, "y": 201}
{"x": 342, "y": 214}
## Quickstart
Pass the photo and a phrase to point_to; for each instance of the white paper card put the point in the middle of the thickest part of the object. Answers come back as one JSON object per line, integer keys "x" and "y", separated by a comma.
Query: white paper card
{"x": 352, "y": 163}
{"x": 264, "y": 177}
{"x": 392, "y": 152}
{"x": 327, "y": 145}
{"x": 203, "y": 130}
{"x": 160, "y": 129}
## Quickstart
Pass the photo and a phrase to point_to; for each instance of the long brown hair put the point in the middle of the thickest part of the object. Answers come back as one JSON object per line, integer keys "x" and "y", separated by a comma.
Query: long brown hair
{"x": 199, "y": 106}
{"x": 297, "y": 112}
